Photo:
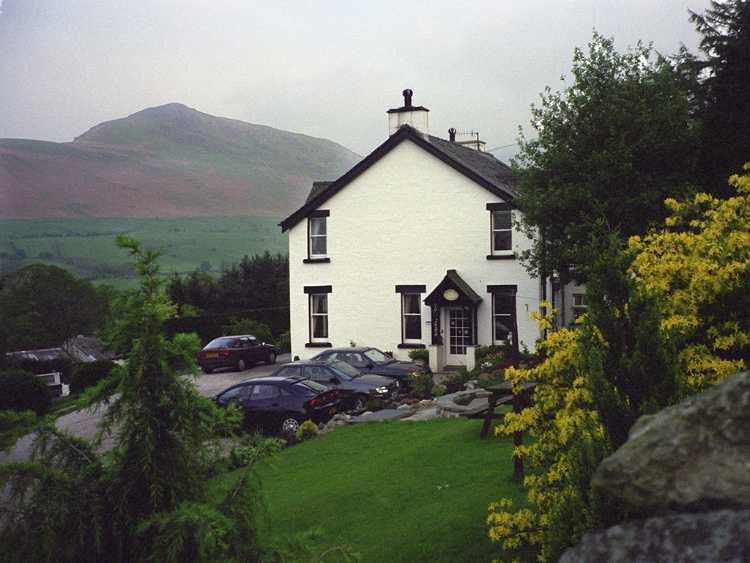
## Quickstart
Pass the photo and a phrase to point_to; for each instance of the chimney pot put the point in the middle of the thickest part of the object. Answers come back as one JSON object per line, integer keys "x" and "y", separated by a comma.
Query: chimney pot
{"x": 407, "y": 97}
{"x": 452, "y": 135}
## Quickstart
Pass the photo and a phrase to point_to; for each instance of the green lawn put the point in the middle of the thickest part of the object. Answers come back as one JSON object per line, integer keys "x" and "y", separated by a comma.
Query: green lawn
{"x": 400, "y": 491}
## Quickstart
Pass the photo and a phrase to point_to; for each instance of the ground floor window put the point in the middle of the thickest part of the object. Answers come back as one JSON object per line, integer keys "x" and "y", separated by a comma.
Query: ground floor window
{"x": 319, "y": 316}
{"x": 411, "y": 315}
{"x": 503, "y": 313}
{"x": 318, "y": 313}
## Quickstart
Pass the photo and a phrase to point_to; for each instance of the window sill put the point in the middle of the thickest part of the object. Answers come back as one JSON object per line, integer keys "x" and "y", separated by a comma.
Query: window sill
{"x": 509, "y": 256}
{"x": 410, "y": 346}
{"x": 318, "y": 345}
{"x": 316, "y": 260}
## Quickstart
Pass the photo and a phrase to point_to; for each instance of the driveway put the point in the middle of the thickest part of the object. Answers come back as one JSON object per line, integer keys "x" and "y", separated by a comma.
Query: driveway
{"x": 85, "y": 423}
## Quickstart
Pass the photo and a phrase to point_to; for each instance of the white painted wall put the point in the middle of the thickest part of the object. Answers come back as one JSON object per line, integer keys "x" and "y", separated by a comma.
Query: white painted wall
{"x": 406, "y": 220}
{"x": 419, "y": 119}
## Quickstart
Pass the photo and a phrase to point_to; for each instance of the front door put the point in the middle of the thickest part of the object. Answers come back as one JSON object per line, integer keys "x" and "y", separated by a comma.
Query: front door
{"x": 460, "y": 328}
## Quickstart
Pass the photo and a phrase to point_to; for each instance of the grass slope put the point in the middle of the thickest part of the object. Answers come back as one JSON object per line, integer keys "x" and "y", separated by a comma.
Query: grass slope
{"x": 87, "y": 247}
{"x": 403, "y": 491}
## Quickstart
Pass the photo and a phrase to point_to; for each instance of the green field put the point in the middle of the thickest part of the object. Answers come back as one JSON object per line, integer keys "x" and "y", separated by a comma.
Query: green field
{"x": 87, "y": 248}
{"x": 396, "y": 492}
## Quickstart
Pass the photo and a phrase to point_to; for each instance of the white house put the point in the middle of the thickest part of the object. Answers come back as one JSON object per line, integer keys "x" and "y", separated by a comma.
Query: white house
{"x": 414, "y": 247}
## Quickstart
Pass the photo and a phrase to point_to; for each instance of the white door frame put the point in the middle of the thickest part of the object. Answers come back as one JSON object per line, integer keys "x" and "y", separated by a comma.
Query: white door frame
{"x": 455, "y": 348}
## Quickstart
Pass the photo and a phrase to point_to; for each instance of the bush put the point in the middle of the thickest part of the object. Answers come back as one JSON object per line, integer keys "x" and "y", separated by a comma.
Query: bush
{"x": 489, "y": 379}
{"x": 249, "y": 326}
{"x": 13, "y": 425}
{"x": 307, "y": 430}
{"x": 23, "y": 391}
{"x": 62, "y": 365}
{"x": 285, "y": 342}
{"x": 421, "y": 385}
{"x": 89, "y": 374}
{"x": 420, "y": 355}
{"x": 438, "y": 390}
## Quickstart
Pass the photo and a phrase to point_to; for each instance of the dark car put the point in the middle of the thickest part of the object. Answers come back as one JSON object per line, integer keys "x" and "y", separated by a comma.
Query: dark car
{"x": 282, "y": 403}
{"x": 236, "y": 352}
{"x": 358, "y": 387}
{"x": 372, "y": 360}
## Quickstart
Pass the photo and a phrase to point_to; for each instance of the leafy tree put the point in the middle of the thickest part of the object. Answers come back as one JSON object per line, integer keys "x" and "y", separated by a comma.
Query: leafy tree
{"x": 609, "y": 149}
{"x": 42, "y": 306}
{"x": 21, "y": 391}
{"x": 722, "y": 91}
{"x": 631, "y": 368}
{"x": 249, "y": 326}
{"x": 147, "y": 498}
{"x": 698, "y": 265}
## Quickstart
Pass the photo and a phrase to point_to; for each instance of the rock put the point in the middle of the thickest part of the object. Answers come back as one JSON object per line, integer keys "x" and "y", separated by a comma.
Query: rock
{"x": 425, "y": 404}
{"x": 404, "y": 406}
{"x": 471, "y": 385}
{"x": 463, "y": 403}
{"x": 384, "y": 415}
{"x": 692, "y": 456}
{"x": 702, "y": 537}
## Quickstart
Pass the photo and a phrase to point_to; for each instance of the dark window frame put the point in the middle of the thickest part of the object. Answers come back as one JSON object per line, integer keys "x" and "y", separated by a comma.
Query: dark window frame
{"x": 311, "y": 290}
{"x": 505, "y": 291}
{"x": 404, "y": 290}
{"x": 506, "y": 253}
{"x": 316, "y": 258}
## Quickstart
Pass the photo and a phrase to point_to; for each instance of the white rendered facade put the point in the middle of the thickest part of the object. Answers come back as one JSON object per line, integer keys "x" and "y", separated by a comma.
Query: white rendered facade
{"x": 404, "y": 221}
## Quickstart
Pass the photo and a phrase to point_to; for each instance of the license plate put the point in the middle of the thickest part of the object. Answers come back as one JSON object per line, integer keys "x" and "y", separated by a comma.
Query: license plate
{"x": 212, "y": 355}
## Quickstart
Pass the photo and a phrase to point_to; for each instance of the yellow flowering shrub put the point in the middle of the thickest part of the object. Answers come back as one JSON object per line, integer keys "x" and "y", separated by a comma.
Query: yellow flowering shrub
{"x": 699, "y": 266}
{"x": 560, "y": 417}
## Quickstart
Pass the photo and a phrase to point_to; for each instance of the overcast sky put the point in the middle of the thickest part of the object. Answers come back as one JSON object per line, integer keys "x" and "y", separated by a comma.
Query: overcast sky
{"x": 324, "y": 68}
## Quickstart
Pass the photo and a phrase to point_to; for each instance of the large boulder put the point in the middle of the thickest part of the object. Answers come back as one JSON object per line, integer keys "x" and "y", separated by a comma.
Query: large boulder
{"x": 705, "y": 537}
{"x": 691, "y": 457}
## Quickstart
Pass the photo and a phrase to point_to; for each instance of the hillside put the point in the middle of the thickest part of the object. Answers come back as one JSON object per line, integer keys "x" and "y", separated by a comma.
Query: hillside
{"x": 167, "y": 161}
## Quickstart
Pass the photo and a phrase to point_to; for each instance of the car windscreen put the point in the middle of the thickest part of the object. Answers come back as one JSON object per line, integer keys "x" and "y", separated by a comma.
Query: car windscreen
{"x": 223, "y": 342}
{"x": 310, "y": 387}
{"x": 345, "y": 369}
{"x": 377, "y": 356}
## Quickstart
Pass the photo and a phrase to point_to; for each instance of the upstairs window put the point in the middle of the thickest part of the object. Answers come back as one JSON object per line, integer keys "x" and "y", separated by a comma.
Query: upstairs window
{"x": 501, "y": 229}
{"x": 317, "y": 244}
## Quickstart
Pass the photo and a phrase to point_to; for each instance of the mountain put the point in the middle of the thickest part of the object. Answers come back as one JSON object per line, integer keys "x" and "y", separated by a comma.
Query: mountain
{"x": 167, "y": 161}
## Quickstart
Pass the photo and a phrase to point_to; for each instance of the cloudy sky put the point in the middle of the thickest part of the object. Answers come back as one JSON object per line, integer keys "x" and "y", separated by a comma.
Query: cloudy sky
{"x": 324, "y": 68}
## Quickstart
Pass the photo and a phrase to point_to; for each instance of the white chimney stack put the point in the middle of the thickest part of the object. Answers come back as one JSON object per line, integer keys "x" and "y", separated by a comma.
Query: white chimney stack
{"x": 416, "y": 116}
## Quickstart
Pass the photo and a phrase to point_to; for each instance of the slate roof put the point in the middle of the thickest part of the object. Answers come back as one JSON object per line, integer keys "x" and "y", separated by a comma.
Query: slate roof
{"x": 453, "y": 280}
{"x": 317, "y": 188}
{"x": 482, "y": 168}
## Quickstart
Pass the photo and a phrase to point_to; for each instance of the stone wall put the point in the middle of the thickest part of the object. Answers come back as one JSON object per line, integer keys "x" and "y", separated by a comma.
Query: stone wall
{"x": 687, "y": 470}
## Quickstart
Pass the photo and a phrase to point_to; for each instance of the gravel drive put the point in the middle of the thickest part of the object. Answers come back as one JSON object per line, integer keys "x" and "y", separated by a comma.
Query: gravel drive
{"x": 84, "y": 423}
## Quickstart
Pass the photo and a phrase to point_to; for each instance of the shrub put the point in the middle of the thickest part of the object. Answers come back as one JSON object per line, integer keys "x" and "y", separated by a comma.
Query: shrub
{"x": 438, "y": 390}
{"x": 89, "y": 374}
{"x": 285, "y": 342}
{"x": 374, "y": 404}
{"x": 13, "y": 425}
{"x": 420, "y": 355}
{"x": 489, "y": 379}
{"x": 421, "y": 384}
{"x": 249, "y": 326}
{"x": 455, "y": 382}
{"x": 307, "y": 430}
{"x": 22, "y": 391}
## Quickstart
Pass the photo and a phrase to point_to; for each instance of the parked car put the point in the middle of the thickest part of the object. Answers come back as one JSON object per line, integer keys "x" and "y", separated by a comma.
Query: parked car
{"x": 358, "y": 387}
{"x": 238, "y": 352}
{"x": 372, "y": 360}
{"x": 282, "y": 403}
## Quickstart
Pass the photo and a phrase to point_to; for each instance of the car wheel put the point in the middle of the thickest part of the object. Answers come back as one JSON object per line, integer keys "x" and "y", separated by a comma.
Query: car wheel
{"x": 289, "y": 425}
{"x": 207, "y": 370}
{"x": 360, "y": 403}
{"x": 271, "y": 358}
{"x": 241, "y": 366}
